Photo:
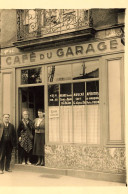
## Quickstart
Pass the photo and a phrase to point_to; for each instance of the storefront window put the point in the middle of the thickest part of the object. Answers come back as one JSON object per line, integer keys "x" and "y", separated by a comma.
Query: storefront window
{"x": 76, "y": 106}
{"x": 81, "y": 70}
{"x": 59, "y": 73}
{"x": 86, "y": 70}
{"x": 31, "y": 76}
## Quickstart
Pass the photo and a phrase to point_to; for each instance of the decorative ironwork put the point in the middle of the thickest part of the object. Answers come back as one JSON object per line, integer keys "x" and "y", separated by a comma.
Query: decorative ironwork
{"x": 45, "y": 22}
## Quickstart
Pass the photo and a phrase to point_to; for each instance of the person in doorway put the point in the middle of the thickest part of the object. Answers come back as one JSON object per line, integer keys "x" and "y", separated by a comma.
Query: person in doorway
{"x": 39, "y": 139}
{"x": 25, "y": 137}
{"x": 7, "y": 143}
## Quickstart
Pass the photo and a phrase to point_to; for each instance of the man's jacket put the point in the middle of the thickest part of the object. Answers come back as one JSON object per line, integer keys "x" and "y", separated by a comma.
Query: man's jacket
{"x": 12, "y": 134}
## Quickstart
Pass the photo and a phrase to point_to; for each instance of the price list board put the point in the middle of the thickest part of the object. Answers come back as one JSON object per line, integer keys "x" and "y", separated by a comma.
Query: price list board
{"x": 92, "y": 98}
{"x": 65, "y": 95}
{"x": 53, "y": 95}
{"x": 79, "y": 93}
{"x": 92, "y": 92}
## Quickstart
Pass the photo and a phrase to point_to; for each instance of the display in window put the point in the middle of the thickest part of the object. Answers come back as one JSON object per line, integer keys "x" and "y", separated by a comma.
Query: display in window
{"x": 79, "y": 93}
{"x": 53, "y": 95}
{"x": 31, "y": 76}
{"x": 59, "y": 73}
{"x": 92, "y": 92}
{"x": 65, "y": 95}
{"x": 85, "y": 70}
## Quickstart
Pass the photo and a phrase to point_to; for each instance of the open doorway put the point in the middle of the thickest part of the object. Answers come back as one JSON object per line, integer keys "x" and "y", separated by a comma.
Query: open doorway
{"x": 32, "y": 99}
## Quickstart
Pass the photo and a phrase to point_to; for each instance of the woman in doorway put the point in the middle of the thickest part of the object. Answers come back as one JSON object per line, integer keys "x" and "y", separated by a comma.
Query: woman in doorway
{"x": 39, "y": 139}
{"x": 25, "y": 137}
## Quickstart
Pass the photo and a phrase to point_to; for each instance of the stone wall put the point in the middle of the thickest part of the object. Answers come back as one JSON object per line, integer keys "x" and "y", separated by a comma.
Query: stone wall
{"x": 80, "y": 157}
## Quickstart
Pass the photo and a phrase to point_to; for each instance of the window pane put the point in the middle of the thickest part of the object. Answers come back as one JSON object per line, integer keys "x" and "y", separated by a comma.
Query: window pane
{"x": 79, "y": 120}
{"x": 65, "y": 95}
{"x": 53, "y": 95}
{"x": 78, "y": 93}
{"x": 93, "y": 124}
{"x": 31, "y": 76}
{"x": 86, "y": 70}
{"x": 59, "y": 73}
{"x": 66, "y": 123}
{"x": 92, "y": 92}
{"x": 54, "y": 132}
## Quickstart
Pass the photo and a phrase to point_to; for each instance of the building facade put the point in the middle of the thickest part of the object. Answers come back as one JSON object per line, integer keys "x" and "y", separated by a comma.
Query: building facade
{"x": 70, "y": 63}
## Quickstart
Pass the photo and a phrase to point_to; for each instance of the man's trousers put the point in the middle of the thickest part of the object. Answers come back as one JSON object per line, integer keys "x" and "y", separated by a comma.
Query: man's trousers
{"x": 6, "y": 151}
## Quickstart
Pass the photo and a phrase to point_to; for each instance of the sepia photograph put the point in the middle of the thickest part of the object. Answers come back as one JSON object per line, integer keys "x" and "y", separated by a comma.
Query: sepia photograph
{"x": 62, "y": 97}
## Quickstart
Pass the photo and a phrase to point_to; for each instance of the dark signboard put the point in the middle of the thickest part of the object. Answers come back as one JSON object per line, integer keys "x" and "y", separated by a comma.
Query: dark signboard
{"x": 53, "y": 95}
{"x": 92, "y": 98}
{"x": 79, "y": 93}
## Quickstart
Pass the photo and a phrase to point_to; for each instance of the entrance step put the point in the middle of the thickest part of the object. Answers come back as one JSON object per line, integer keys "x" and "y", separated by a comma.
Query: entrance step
{"x": 73, "y": 173}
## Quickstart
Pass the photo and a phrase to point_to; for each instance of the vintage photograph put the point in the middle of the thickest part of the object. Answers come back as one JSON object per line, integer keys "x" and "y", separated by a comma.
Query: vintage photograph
{"x": 62, "y": 97}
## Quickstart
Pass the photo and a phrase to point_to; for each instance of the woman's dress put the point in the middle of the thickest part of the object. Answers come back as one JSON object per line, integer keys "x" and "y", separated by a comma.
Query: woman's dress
{"x": 39, "y": 139}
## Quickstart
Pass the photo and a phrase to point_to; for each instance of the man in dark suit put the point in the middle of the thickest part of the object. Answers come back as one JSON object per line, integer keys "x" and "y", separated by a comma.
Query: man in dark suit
{"x": 7, "y": 142}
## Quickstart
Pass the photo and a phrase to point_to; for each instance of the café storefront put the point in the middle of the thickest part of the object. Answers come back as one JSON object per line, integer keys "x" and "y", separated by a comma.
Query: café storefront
{"x": 80, "y": 87}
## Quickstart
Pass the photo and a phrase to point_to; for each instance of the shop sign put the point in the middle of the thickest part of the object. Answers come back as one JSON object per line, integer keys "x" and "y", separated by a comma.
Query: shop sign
{"x": 92, "y": 98}
{"x": 79, "y": 98}
{"x": 53, "y": 112}
{"x": 53, "y": 99}
{"x": 65, "y": 53}
{"x": 65, "y": 99}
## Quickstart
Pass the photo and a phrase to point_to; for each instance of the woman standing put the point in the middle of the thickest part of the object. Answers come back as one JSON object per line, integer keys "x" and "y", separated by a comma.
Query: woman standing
{"x": 25, "y": 136}
{"x": 39, "y": 139}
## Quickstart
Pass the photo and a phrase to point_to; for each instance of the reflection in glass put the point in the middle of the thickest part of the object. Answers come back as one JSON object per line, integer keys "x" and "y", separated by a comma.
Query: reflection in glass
{"x": 79, "y": 93}
{"x": 65, "y": 95}
{"x": 92, "y": 92}
{"x": 53, "y": 95}
{"x": 31, "y": 76}
{"x": 86, "y": 70}
{"x": 59, "y": 73}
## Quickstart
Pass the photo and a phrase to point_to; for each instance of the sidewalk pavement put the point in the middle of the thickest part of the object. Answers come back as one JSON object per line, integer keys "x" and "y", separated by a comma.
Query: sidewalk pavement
{"x": 41, "y": 177}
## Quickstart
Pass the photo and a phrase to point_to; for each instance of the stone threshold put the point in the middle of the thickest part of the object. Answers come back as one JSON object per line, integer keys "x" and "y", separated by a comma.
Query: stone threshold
{"x": 103, "y": 176}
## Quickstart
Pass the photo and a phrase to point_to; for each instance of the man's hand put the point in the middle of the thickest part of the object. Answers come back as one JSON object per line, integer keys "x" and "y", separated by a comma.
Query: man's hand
{"x": 19, "y": 139}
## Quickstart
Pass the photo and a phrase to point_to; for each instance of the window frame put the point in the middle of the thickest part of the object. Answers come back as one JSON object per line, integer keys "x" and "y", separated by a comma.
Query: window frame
{"x": 105, "y": 106}
{"x": 115, "y": 142}
{"x": 71, "y": 82}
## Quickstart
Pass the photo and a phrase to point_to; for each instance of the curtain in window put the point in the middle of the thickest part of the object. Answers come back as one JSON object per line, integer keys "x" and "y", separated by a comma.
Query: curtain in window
{"x": 66, "y": 123}
{"x": 79, "y": 117}
{"x": 93, "y": 121}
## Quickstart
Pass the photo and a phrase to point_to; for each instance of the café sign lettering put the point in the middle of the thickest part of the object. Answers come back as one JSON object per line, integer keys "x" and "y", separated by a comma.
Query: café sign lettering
{"x": 82, "y": 50}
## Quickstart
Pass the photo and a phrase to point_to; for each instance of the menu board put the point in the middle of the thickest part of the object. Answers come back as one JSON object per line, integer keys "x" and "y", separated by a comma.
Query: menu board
{"x": 65, "y": 95}
{"x": 92, "y": 98}
{"x": 79, "y": 98}
{"x": 79, "y": 93}
{"x": 53, "y": 95}
{"x": 65, "y": 99}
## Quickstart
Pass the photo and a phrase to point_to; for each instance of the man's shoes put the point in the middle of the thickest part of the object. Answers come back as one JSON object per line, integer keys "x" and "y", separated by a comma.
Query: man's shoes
{"x": 8, "y": 170}
{"x": 1, "y": 172}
